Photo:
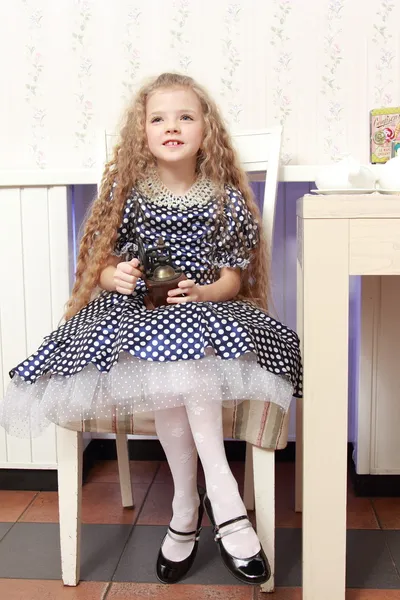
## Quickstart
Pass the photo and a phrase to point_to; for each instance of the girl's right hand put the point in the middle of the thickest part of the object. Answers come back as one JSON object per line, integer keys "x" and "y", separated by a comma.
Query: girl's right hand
{"x": 126, "y": 276}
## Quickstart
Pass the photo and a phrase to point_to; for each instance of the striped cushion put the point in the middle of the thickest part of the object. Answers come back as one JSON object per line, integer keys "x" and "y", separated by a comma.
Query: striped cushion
{"x": 260, "y": 423}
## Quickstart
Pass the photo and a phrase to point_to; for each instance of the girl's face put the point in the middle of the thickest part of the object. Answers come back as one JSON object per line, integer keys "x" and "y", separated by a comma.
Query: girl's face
{"x": 174, "y": 125}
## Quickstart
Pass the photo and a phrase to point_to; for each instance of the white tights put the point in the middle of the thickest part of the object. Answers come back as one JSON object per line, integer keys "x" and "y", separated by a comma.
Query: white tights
{"x": 180, "y": 432}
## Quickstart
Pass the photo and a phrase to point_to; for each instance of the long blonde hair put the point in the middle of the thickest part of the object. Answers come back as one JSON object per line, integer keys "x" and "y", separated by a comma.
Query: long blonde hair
{"x": 131, "y": 162}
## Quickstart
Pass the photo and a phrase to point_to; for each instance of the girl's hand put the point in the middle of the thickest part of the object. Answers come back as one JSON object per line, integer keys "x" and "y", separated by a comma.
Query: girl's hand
{"x": 193, "y": 292}
{"x": 126, "y": 276}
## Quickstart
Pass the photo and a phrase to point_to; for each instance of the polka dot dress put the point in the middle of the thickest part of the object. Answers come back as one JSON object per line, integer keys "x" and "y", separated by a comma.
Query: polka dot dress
{"x": 117, "y": 357}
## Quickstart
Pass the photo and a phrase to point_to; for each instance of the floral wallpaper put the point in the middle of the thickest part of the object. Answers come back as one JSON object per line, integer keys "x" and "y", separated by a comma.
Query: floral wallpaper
{"x": 76, "y": 64}
{"x": 231, "y": 60}
{"x": 180, "y": 41}
{"x": 282, "y": 88}
{"x": 131, "y": 44}
{"x": 34, "y": 96}
{"x": 82, "y": 56}
{"x": 385, "y": 32}
{"x": 331, "y": 86}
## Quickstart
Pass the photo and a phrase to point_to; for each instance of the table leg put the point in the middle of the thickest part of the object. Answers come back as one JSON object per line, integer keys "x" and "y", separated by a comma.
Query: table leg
{"x": 324, "y": 299}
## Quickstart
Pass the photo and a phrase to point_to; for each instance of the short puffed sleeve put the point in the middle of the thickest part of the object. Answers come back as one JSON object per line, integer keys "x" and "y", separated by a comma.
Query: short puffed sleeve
{"x": 125, "y": 244}
{"x": 238, "y": 234}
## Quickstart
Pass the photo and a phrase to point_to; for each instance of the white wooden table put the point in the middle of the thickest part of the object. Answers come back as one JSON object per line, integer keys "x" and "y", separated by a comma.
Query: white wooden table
{"x": 338, "y": 236}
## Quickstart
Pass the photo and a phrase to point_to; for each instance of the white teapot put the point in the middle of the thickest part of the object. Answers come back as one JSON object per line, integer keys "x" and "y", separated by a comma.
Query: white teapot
{"x": 346, "y": 174}
{"x": 389, "y": 174}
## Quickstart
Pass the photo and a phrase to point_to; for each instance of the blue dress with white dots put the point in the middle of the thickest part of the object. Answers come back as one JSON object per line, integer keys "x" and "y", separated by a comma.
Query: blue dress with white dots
{"x": 116, "y": 357}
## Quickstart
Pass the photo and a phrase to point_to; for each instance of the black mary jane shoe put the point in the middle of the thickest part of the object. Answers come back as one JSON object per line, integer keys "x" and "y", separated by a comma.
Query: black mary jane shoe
{"x": 253, "y": 570}
{"x": 169, "y": 571}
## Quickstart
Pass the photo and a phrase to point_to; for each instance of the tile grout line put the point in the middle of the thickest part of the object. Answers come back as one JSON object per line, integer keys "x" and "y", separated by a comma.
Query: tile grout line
{"x": 376, "y": 514}
{"x": 18, "y": 519}
{"x": 7, "y": 532}
{"x": 134, "y": 523}
{"x": 105, "y": 593}
{"x": 392, "y": 558}
{"x": 29, "y": 505}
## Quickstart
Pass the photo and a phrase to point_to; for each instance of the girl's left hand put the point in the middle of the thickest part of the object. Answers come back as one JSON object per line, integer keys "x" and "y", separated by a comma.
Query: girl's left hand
{"x": 193, "y": 292}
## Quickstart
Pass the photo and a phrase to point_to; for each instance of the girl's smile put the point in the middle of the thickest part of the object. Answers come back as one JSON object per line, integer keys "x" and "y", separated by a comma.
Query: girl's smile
{"x": 173, "y": 143}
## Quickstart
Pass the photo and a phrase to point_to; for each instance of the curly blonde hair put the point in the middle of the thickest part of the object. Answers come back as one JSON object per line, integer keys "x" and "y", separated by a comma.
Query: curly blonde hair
{"x": 132, "y": 161}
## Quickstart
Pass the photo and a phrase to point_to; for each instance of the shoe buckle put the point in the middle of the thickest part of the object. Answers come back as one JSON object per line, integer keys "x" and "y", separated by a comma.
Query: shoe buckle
{"x": 217, "y": 535}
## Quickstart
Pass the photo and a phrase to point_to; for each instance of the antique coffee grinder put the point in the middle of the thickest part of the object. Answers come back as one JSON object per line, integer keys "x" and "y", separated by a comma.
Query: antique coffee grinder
{"x": 160, "y": 274}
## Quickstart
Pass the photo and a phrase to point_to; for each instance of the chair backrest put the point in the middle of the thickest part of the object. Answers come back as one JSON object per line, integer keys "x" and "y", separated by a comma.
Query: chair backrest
{"x": 259, "y": 153}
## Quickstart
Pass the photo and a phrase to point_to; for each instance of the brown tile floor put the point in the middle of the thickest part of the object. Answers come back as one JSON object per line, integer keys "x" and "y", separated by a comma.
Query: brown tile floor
{"x": 101, "y": 503}
{"x": 25, "y": 589}
{"x": 153, "y": 493}
{"x": 13, "y": 504}
{"x": 388, "y": 512}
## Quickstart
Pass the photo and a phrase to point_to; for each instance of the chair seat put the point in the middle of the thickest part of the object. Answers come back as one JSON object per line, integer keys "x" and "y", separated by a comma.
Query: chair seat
{"x": 262, "y": 424}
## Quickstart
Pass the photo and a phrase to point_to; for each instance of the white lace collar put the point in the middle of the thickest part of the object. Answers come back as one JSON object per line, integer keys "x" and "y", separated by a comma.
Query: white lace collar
{"x": 201, "y": 192}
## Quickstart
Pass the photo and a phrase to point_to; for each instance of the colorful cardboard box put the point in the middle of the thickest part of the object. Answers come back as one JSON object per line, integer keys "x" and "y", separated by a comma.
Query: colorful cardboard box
{"x": 385, "y": 128}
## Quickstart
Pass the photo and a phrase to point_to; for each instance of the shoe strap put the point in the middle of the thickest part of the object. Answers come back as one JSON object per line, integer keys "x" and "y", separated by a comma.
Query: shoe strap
{"x": 236, "y": 526}
{"x": 190, "y": 536}
{"x": 231, "y": 521}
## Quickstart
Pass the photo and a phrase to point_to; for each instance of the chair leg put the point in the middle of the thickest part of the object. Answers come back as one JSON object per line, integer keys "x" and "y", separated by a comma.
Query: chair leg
{"x": 69, "y": 467}
{"x": 248, "y": 496}
{"x": 298, "y": 500}
{"x": 264, "y": 492}
{"x": 124, "y": 471}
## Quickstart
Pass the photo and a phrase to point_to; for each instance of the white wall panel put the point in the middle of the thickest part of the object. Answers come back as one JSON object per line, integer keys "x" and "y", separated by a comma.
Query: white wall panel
{"x": 13, "y": 323}
{"x": 35, "y": 275}
{"x": 3, "y": 442}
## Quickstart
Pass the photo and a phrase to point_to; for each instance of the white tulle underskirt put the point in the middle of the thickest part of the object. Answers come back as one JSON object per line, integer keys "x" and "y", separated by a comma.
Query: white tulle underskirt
{"x": 136, "y": 386}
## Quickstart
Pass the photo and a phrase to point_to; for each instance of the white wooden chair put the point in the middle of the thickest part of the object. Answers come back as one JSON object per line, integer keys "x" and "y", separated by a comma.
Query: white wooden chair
{"x": 259, "y": 152}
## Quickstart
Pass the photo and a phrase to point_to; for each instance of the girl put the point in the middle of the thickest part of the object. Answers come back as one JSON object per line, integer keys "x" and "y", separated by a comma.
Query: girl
{"x": 173, "y": 175}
